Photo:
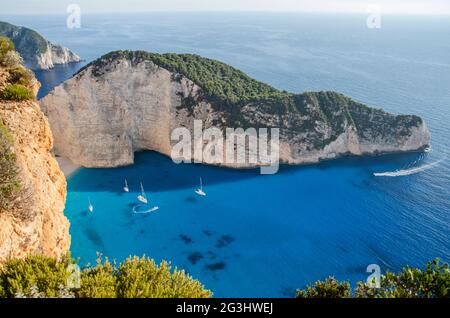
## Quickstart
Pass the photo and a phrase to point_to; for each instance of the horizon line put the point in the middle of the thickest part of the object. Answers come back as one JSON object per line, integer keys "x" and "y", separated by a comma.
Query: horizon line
{"x": 437, "y": 14}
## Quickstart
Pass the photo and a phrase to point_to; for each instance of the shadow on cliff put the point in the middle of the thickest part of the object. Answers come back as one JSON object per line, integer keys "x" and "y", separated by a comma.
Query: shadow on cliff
{"x": 158, "y": 173}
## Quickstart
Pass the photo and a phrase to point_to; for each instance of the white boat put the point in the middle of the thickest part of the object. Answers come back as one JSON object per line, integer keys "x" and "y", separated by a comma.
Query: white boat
{"x": 126, "y": 188}
{"x": 90, "y": 206}
{"x": 142, "y": 197}
{"x": 200, "y": 191}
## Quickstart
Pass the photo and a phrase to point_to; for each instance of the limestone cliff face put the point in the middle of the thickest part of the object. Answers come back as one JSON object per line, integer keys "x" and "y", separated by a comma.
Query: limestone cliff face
{"x": 54, "y": 54}
{"x": 37, "y": 224}
{"x": 120, "y": 105}
{"x": 102, "y": 122}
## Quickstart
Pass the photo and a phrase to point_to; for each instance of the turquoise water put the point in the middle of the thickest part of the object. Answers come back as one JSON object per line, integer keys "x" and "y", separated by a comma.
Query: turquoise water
{"x": 257, "y": 235}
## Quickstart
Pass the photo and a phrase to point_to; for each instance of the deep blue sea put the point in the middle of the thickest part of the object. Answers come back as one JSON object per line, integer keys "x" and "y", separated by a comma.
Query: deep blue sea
{"x": 256, "y": 235}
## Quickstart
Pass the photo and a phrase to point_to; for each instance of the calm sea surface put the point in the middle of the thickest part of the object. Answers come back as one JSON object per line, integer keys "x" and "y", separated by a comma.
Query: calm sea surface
{"x": 259, "y": 235}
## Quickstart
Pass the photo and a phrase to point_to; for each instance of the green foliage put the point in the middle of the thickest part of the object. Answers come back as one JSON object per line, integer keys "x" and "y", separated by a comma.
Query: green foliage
{"x": 432, "y": 282}
{"x": 321, "y": 116}
{"x": 39, "y": 276}
{"x": 20, "y": 75}
{"x": 99, "y": 281}
{"x": 9, "y": 181}
{"x": 6, "y": 45}
{"x": 34, "y": 272}
{"x": 143, "y": 278}
{"x": 12, "y": 59}
{"x": 330, "y": 288}
{"x": 16, "y": 92}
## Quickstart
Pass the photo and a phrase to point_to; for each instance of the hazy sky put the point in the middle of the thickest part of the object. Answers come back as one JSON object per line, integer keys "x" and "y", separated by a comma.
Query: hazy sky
{"x": 387, "y": 6}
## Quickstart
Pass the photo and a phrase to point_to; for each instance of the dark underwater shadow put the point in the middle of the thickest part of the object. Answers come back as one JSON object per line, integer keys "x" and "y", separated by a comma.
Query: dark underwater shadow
{"x": 158, "y": 173}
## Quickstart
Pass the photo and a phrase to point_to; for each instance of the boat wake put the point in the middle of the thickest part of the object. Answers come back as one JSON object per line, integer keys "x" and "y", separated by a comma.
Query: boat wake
{"x": 136, "y": 209}
{"x": 408, "y": 171}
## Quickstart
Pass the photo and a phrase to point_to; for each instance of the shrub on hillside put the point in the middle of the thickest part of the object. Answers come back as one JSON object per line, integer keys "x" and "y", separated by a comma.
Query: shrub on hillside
{"x": 432, "y": 282}
{"x": 6, "y": 45}
{"x": 40, "y": 276}
{"x": 16, "y": 92}
{"x": 34, "y": 276}
{"x": 12, "y": 59}
{"x": 99, "y": 281}
{"x": 143, "y": 278}
{"x": 9, "y": 181}
{"x": 330, "y": 288}
{"x": 20, "y": 75}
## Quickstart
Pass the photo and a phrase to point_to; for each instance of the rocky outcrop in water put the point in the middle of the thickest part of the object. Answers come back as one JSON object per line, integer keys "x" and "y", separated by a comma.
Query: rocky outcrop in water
{"x": 36, "y": 224}
{"x": 37, "y": 52}
{"x": 130, "y": 101}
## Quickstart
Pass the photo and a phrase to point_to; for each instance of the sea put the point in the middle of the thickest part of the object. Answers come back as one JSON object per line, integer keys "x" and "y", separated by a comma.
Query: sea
{"x": 259, "y": 235}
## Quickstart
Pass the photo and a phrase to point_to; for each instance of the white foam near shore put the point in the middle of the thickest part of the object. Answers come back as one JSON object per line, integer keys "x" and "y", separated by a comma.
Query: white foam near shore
{"x": 407, "y": 172}
{"x": 67, "y": 166}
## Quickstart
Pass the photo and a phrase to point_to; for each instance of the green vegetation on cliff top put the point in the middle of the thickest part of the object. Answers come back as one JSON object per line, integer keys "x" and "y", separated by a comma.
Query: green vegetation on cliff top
{"x": 19, "y": 79}
{"x": 228, "y": 88}
{"x": 27, "y": 41}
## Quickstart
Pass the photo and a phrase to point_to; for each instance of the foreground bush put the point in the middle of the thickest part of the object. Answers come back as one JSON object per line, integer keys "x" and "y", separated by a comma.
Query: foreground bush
{"x": 16, "y": 92}
{"x": 432, "y": 282}
{"x": 330, "y": 288}
{"x": 40, "y": 276}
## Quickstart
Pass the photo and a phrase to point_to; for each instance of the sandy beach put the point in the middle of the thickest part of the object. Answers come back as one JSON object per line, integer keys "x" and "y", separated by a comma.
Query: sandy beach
{"x": 67, "y": 166}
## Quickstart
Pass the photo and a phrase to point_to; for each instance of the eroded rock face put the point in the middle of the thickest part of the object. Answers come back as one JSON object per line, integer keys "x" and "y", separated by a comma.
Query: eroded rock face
{"x": 37, "y": 224}
{"x": 101, "y": 116}
{"x": 54, "y": 54}
{"x": 101, "y": 122}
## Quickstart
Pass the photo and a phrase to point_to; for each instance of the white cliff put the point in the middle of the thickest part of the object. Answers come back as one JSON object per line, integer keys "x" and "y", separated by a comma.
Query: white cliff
{"x": 105, "y": 113}
{"x": 54, "y": 55}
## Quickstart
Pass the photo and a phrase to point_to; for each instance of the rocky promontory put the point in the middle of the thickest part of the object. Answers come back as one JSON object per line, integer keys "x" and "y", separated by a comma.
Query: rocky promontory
{"x": 37, "y": 52}
{"x": 128, "y": 101}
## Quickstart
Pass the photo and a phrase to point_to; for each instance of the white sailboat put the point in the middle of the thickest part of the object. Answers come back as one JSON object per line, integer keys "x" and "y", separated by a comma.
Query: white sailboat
{"x": 126, "y": 188}
{"x": 142, "y": 197}
{"x": 90, "y": 206}
{"x": 200, "y": 191}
